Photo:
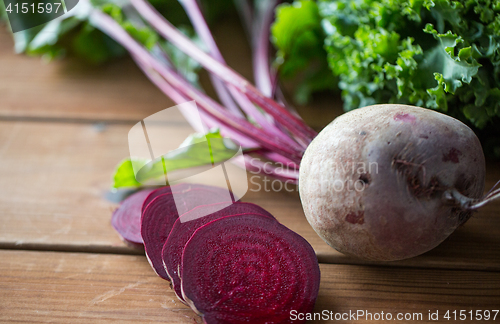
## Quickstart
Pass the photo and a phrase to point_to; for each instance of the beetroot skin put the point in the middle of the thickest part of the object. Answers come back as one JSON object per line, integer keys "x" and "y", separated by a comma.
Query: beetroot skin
{"x": 161, "y": 213}
{"x": 248, "y": 269}
{"x": 389, "y": 182}
{"x": 183, "y": 230}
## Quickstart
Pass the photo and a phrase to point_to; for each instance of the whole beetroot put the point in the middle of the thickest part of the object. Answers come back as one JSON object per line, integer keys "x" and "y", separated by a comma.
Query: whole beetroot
{"x": 390, "y": 182}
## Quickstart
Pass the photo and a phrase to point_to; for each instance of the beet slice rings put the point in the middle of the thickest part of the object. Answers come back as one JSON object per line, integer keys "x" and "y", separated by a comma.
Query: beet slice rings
{"x": 231, "y": 262}
{"x": 184, "y": 228}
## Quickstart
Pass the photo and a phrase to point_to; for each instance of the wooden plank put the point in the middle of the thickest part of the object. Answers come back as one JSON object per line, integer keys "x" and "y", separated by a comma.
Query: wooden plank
{"x": 30, "y": 87}
{"x": 54, "y": 179}
{"x": 346, "y": 288}
{"x": 70, "y": 88}
{"x": 41, "y": 287}
{"x": 55, "y": 175}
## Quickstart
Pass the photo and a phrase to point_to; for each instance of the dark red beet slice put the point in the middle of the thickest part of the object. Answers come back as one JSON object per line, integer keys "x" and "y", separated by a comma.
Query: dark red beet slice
{"x": 126, "y": 219}
{"x": 187, "y": 224}
{"x": 161, "y": 214}
{"x": 161, "y": 191}
{"x": 248, "y": 269}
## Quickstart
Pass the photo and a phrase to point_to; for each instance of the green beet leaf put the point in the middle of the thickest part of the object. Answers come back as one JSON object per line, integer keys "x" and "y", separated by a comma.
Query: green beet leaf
{"x": 197, "y": 150}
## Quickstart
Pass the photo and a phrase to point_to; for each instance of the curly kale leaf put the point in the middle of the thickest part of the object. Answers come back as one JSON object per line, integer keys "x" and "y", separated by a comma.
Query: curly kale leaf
{"x": 439, "y": 54}
{"x": 298, "y": 36}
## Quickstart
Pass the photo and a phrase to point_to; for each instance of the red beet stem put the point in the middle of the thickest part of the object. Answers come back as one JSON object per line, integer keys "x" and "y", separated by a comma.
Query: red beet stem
{"x": 294, "y": 124}
{"x": 206, "y": 104}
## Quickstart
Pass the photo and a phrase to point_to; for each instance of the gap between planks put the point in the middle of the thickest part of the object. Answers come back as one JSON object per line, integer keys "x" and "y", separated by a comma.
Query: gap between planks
{"x": 82, "y": 120}
{"x": 412, "y": 263}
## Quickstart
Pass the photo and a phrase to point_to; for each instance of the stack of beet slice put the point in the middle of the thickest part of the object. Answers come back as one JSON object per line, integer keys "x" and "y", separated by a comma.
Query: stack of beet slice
{"x": 184, "y": 228}
{"x": 230, "y": 262}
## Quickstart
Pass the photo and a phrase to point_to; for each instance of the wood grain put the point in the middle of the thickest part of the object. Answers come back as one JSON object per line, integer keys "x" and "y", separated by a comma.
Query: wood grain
{"x": 115, "y": 91}
{"x": 55, "y": 177}
{"x": 30, "y": 87}
{"x": 41, "y": 287}
{"x": 372, "y": 289}
{"x": 63, "y": 129}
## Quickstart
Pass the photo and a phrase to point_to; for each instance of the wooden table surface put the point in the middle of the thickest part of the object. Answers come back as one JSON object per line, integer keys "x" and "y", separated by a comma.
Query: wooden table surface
{"x": 63, "y": 129}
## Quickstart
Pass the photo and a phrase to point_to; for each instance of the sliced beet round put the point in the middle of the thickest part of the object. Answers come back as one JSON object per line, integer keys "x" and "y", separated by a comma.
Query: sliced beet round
{"x": 126, "y": 219}
{"x": 187, "y": 224}
{"x": 248, "y": 269}
{"x": 161, "y": 213}
{"x": 161, "y": 191}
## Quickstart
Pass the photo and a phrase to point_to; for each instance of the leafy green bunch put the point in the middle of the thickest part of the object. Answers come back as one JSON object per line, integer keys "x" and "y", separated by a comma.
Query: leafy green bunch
{"x": 73, "y": 34}
{"x": 439, "y": 54}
